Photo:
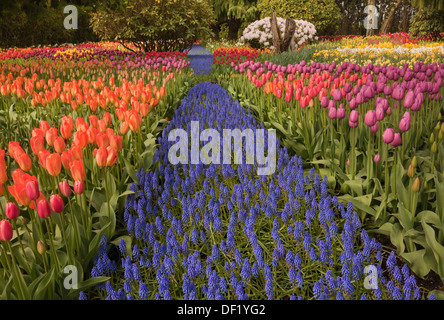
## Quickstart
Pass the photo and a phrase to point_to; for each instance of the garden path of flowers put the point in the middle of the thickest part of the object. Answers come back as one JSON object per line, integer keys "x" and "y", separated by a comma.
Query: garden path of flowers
{"x": 222, "y": 232}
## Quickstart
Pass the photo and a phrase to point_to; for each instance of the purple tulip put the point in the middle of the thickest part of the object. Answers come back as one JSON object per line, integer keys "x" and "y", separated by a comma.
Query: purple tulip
{"x": 374, "y": 128}
{"x": 398, "y": 92}
{"x": 324, "y": 102}
{"x": 404, "y": 124}
{"x": 353, "y": 103}
{"x": 337, "y": 95}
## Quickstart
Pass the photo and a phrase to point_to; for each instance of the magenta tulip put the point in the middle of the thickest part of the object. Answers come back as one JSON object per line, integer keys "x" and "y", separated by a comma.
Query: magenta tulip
{"x": 332, "y": 113}
{"x": 377, "y": 158}
{"x": 354, "y": 116}
{"x": 65, "y": 189}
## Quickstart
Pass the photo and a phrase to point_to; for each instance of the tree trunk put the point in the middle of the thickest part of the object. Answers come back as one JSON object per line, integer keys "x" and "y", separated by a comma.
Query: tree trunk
{"x": 388, "y": 20}
{"x": 277, "y": 39}
{"x": 233, "y": 28}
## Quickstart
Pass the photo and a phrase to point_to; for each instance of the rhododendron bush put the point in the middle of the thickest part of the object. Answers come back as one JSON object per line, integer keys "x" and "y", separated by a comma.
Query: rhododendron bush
{"x": 258, "y": 34}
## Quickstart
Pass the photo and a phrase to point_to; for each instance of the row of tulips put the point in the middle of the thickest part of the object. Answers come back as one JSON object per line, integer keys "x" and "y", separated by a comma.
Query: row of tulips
{"x": 74, "y": 132}
{"x": 362, "y": 126}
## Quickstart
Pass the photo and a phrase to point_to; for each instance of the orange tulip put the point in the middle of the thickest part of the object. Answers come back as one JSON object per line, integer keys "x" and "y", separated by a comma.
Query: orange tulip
{"x": 116, "y": 142}
{"x": 51, "y": 135}
{"x": 134, "y": 120}
{"x": 66, "y": 127}
{"x": 81, "y": 138}
{"x": 124, "y": 128}
{"x": 18, "y": 190}
{"x": 77, "y": 170}
{"x": 54, "y": 164}
{"x": 107, "y": 117}
{"x": 24, "y": 161}
{"x": 101, "y": 125}
{"x": 3, "y": 173}
{"x": 44, "y": 126}
{"x": 67, "y": 158}
{"x": 111, "y": 159}
{"x": 37, "y": 132}
{"x": 101, "y": 156}
{"x": 77, "y": 152}
{"x": 15, "y": 149}
{"x": 59, "y": 145}
{"x": 93, "y": 121}
{"x": 37, "y": 144}
{"x": 42, "y": 157}
{"x": 92, "y": 133}
{"x": 102, "y": 140}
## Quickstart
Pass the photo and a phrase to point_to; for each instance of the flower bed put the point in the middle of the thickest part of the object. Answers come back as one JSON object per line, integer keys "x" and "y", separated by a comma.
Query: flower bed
{"x": 222, "y": 232}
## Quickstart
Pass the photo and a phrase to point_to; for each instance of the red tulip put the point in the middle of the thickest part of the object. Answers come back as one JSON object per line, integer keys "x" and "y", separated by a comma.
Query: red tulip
{"x": 5, "y": 230}
{"x": 43, "y": 209}
{"x": 65, "y": 189}
{"x": 11, "y": 210}
{"x": 116, "y": 142}
{"x": 57, "y": 204}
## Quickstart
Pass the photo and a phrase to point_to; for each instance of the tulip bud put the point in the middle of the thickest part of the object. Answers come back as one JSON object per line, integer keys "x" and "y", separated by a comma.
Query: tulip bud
{"x": 345, "y": 188}
{"x": 79, "y": 187}
{"x": 43, "y": 209}
{"x": 5, "y": 230}
{"x": 41, "y": 247}
{"x": 32, "y": 190}
{"x": 432, "y": 138}
{"x": 11, "y": 210}
{"x": 411, "y": 171}
{"x": 440, "y": 135}
{"x": 414, "y": 162}
{"x": 434, "y": 147}
{"x": 65, "y": 189}
{"x": 416, "y": 185}
{"x": 57, "y": 204}
{"x": 377, "y": 158}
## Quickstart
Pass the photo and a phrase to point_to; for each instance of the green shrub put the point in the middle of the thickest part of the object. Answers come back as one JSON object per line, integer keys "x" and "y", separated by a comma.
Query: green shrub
{"x": 427, "y": 22}
{"x": 324, "y": 14}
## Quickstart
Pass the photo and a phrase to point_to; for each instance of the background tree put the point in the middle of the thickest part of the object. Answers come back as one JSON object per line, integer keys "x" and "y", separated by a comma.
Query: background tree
{"x": 40, "y": 22}
{"x": 324, "y": 14}
{"x": 234, "y": 14}
{"x": 166, "y": 25}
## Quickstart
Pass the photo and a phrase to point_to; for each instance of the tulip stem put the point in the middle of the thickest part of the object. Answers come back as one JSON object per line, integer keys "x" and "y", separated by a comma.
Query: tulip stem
{"x": 20, "y": 242}
{"x": 49, "y": 227}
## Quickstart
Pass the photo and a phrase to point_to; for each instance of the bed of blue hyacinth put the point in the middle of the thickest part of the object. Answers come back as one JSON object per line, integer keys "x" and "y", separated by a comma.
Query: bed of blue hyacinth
{"x": 223, "y": 232}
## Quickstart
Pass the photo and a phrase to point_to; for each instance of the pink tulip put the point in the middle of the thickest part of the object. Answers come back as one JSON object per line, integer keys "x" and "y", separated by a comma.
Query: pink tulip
{"x": 374, "y": 128}
{"x": 404, "y": 124}
{"x": 388, "y": 135}
{"x": 65, "y": 189}
{"x": 379, "y": 113}
{"x": 377, "y": 158}
{"x": 337, "y": 95}
{"x": 354, "y": 116}
{"x": 32, "y": 190}
{"x": 340, "y": 113}
{"x": 409, "y": 98}
{"x": 332, "y": 113}
{"x": 324, "y": 102}
{"x": 370, "y": 118}
{"x": 79, "y": 187}
{"x": 396, "y": 140}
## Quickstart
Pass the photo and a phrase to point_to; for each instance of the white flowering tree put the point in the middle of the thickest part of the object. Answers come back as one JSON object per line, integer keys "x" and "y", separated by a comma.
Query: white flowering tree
{"x": 259, "y": 33}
